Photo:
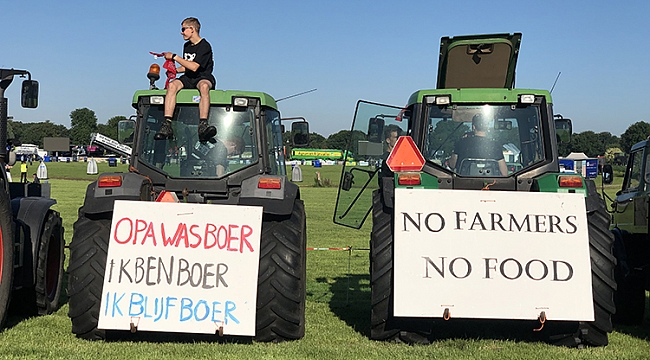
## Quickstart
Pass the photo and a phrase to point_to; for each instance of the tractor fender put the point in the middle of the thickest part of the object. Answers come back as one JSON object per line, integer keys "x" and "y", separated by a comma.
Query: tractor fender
{"x": 29, "y": 214}
{"x": 274, "y": 201}
{"x": 101, "y": 199}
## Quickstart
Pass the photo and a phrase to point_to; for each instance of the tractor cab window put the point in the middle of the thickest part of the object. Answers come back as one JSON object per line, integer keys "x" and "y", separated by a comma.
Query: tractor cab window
{"x": 633, "y": 175}
{"x": 483, "y": 140}
{"x": 185, "y": 156}
{"x": 274, "y": 139}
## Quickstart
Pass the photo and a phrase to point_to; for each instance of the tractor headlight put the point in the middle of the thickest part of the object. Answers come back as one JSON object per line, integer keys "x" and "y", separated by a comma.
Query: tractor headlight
{"x": 238, "y": 101}
{"x": 527, "y": 99}
{"x": 157, "y": 100}
{"x": 443, "y": 100}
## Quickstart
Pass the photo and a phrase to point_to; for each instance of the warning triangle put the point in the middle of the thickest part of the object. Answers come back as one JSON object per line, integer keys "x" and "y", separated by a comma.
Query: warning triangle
{"x": 167, "y": 196}
{"x": 405, "y": 156}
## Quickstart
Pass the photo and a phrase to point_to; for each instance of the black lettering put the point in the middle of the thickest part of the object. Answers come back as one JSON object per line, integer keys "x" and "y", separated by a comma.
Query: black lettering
{"x": 139, "y": 265}
{"x": 459, "y": 220}
{"x": 161, "y": 269}
{"x": 440, "y": 270}
{"x": 149, "y": 268}
{"x": 183, "y": 267}
{"x": 453, "y": 273}
{"x": 123, "y": 271}
{"x": 417, "y": 225}
{"x": 573, "y": 226}
{"x": 220, "y": 274}
{"x": 110, "y": 272}
{"x": 477, "y": 219}
{"x": 554, "y": 222}
{"x": 502, "y": 268}
{"x": 442, "y": 222}
{"x": 543, "y": 266}
{"x": 198, "y": 282}
{"x": 496, "y": 222}
{"x": 526, "y": 222}
{"x": 206, "y": 274}
{"x": 540, "y": 223}
{"x": 555, "y": 275}
{"x": 488, "y": 267}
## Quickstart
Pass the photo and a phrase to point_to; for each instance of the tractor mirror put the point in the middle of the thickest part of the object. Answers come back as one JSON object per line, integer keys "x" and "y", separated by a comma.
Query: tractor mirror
{"x": 375, "y": 129}
{"x": 125, "y": 130}
{"x": 347, "y": 181}
{"x": 29, "y": 94}
{"x": 563, "y": 130}
{"x": 300, "y": 133}
{"x": 608, "y": 174}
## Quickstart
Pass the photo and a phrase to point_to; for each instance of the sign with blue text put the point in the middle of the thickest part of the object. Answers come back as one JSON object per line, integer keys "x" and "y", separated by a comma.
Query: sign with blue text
{"x": 180, "y": 267}
{"x": 491, "y": 254}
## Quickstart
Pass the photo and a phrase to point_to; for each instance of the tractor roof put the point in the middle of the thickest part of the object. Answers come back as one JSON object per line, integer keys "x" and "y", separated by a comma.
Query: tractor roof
{"x": 478, "y": 61}
{"x": 478, "y": 96}
{"x": 223, "y": 97}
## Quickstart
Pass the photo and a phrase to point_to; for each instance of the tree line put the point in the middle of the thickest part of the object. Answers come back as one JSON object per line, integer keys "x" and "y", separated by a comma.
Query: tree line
{"x": 83, "y": 122}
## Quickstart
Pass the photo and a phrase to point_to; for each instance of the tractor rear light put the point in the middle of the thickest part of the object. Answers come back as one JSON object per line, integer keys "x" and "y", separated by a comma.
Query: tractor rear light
{"x": 409, "y": 179}
{"x": 109, "y": 181}
{"x": 269, "y": 183}
{"x": 527, "y": 99}
{"x": 443, "y": 100}
{"x": 240, "y": 102}
{"x": 570, "y": 181}
{"x": 157, "y": 100}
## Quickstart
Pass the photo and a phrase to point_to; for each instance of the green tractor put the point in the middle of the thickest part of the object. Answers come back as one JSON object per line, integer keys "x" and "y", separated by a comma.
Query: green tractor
{"x": 472, "y": 225}
{"x": 31, "y": 232}
{"x": 196, "y": 177}
{"x": 630, "y": 227}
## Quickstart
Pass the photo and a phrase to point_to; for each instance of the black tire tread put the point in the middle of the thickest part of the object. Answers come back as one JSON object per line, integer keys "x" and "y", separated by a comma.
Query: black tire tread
{"x": 52, "y": 228}
{"x": 281, "y": 288}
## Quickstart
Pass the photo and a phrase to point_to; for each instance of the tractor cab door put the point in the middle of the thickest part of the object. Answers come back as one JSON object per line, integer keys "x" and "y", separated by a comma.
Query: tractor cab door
{"x": 367, "y": 148}
{"x": 631, "y": 205}
{"x": 478, "y": 61}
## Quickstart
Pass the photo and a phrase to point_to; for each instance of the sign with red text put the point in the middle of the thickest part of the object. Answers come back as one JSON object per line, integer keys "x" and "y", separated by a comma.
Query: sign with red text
{"x": 491, "y": 254}
{"x": 180, "y": 267}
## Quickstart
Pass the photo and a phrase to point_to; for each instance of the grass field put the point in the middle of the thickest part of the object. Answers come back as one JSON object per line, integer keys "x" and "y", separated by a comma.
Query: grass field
{"x": 337, "y": 309}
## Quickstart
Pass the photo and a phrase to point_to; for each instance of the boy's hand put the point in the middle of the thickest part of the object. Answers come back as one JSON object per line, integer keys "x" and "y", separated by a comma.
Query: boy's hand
{"x": 168, "y": 55}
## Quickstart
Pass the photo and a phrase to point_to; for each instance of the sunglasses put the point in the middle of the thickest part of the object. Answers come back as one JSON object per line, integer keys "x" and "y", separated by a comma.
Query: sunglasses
{"x": 185, "y": 28}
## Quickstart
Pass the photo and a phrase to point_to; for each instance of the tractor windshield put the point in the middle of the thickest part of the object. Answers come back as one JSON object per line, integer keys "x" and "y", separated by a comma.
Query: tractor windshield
{"x": 233, "y": 147}
{"x": 484, "y": 140}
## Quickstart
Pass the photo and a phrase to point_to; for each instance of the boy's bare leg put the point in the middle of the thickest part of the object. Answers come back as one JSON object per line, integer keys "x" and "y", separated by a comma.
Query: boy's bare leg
{"x": 166, "y": 131}
{"x": 205, "y": 131}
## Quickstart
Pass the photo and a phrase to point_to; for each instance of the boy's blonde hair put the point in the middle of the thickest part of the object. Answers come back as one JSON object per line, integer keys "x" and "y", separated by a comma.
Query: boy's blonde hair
{"x": 193, "y": 22}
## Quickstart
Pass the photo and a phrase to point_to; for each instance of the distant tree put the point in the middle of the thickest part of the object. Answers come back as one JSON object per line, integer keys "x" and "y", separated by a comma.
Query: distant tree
{"x": 611, "y": 153}
{"x": 33, "y": 133}
{"x": 83, "y": 122}
{"x": 346, "y": 140}
{"x": 317, "y": 141}
{"x": 608, "y": 140}
{"x": 638, "y": 131}
{"x": 587, "y": 142}
{"x": 110, "y": 128}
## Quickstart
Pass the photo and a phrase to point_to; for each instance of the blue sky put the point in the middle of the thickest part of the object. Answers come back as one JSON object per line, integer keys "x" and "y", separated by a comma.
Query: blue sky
{"x": 96, "y": 54}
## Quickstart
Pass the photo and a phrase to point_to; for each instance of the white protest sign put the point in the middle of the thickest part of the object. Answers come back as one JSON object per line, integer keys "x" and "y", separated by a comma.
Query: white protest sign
{"x": 491, "y": 254}
{"x": 181, "y": 267}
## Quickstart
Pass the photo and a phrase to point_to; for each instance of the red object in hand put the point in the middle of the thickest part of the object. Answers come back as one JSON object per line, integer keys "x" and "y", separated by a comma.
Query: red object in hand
{"x": 169, "y": 65}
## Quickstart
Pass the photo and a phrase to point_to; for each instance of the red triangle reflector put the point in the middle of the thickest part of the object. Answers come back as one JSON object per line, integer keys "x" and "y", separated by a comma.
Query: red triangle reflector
{"x": 405, "y": 156}
{"x": 167, "y": 196}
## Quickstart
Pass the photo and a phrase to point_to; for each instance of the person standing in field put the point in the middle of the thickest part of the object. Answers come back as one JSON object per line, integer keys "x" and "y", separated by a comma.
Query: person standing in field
{"x": 23, "y": 172}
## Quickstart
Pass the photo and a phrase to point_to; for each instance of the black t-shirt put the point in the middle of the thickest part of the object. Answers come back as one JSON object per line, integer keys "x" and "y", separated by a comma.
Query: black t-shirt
{"x": 477, "y": 147}
{"x": 200, "y": 53}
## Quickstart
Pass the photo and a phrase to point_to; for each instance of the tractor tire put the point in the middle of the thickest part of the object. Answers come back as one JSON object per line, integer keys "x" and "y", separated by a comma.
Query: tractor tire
{"x": 6, "y": 253}
{"x": 383, "y": 325}
{"x": 603, "y": 262}
{"x": 630, "y": 292}
{"x": 281, "y": 284}
{"x": 88, "y": 254}
{"x": 49, "y": 268}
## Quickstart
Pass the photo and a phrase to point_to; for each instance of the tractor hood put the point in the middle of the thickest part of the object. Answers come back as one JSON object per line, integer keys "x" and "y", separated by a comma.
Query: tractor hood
{"x": 478, "y": 61}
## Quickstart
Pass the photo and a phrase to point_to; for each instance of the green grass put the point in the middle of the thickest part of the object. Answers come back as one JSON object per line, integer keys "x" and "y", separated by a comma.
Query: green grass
{"x": 337, "y": 308}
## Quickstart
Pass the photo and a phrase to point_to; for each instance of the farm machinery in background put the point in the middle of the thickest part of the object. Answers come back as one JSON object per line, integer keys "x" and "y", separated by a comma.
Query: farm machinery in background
{"x": 31, "y": 232}
{"x": 466, "y": 242}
